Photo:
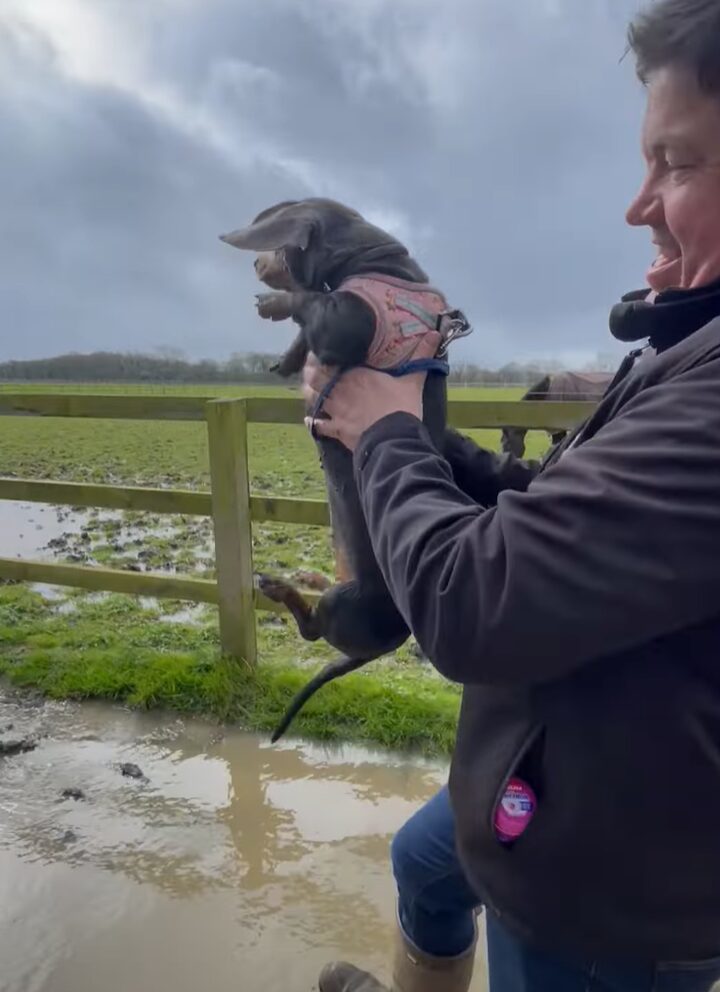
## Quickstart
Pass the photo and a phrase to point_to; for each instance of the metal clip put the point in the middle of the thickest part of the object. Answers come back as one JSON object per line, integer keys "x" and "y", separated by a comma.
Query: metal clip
{"x": 452, "y": 324}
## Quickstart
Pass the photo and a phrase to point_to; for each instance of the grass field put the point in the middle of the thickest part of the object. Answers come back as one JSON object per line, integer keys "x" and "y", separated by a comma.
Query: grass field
{"x": 151, "y": 654}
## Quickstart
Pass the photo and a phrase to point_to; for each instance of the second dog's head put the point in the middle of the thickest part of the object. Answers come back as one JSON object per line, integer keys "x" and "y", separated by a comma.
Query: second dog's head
{"x": 314, "y": 244}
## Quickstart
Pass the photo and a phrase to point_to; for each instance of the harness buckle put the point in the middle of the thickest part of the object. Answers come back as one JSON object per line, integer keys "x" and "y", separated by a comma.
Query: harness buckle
{"x": 452, "y": 324}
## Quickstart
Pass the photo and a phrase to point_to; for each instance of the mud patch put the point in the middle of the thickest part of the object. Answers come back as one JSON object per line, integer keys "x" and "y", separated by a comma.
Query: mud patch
{"x": 249, "y": 862}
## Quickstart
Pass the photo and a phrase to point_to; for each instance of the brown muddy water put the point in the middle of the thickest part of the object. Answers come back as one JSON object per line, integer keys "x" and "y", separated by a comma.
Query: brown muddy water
{"x": 232, "y": 865}
{"x": 26, "y": 529}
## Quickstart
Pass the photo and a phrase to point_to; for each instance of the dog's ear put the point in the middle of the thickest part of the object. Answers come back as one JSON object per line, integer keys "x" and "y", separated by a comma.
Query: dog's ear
{"x": 286, "y": 225}
{"x": 321, "y": 238}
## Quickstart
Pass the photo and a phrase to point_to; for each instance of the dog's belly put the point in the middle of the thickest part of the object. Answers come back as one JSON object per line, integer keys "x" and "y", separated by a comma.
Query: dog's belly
{"x": 347, "y": 517}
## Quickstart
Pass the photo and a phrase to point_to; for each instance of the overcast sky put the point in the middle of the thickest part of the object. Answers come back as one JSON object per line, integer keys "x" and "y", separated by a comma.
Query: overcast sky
{"x": 499, "y": 140}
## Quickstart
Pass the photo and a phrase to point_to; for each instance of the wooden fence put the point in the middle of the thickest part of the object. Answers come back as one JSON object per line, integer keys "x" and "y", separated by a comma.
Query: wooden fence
{"x": 230, "y": 502}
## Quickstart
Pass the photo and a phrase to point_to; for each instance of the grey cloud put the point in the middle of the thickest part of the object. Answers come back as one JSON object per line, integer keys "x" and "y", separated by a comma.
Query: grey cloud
{"x": 111, "y": 228}
{"x": 505, "y": 137}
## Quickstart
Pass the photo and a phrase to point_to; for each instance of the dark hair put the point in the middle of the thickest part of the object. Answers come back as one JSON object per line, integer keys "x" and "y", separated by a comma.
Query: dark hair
{"x": 683, "y": 33}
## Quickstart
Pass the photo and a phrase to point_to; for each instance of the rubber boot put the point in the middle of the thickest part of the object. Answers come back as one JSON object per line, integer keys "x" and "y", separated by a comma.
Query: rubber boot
{"x": 413, "y": 971}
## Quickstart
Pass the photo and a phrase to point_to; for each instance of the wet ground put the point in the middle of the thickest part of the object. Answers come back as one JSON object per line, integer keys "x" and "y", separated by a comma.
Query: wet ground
{"x": 140, "y": 542}
{"x": 173, "y": 544}
{"x": 26, "y": 529}
{"x": 136, "y": 541}
{"x": 150, "y": 542}
{"x": 230, "y": 865}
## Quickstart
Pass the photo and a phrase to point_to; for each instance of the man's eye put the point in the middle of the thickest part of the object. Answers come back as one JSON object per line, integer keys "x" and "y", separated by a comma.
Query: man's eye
{"x": 675, "y": 163}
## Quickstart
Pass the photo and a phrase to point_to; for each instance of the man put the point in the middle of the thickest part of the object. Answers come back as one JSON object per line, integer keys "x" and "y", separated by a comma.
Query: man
{"x": 580, "y": 609}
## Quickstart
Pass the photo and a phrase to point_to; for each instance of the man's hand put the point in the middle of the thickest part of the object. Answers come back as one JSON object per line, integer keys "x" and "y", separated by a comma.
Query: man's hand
{"x": 274, "y": 306}
{"x": 363, "y": 396}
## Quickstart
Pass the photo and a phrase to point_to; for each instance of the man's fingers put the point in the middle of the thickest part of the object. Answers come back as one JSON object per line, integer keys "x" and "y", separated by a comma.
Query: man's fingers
{"x": 315, "y": 375}
{"x": 315, "y": 379}
{"x": 310, "y": 396}
{"x": 320, "y": 427}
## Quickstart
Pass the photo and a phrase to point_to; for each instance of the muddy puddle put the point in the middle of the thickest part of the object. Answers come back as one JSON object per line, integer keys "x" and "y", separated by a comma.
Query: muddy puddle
{"x": 141, "y": 541}
{"x": 147, "y": 542}
{"x": 27, "y": 529}
{"x": 230, "y": 865}
{"x": 138, "y": 542}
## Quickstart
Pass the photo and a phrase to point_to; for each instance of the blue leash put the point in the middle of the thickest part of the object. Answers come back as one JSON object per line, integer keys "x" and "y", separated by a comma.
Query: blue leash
{"x": 436, "y": 365}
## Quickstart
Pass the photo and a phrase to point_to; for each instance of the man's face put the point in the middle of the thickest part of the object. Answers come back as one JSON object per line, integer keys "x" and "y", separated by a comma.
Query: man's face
{"x": 680, "y": 196}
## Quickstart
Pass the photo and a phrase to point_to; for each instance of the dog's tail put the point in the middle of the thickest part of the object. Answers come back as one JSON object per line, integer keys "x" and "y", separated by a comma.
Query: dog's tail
{"x": 327, "y": 674}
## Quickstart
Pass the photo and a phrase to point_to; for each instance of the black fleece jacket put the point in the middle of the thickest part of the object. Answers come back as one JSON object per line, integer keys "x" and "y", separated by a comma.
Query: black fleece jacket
{"x": 578, "y": 603}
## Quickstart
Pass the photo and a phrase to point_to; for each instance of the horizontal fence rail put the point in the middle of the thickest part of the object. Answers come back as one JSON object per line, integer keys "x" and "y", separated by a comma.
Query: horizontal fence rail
{"x": 230, "y": 504}
{"x": 97, "y": 579}
{"x": 106, "y": 407}
{"x": 277, "y": 509}
{"x": 110, "y": 580}
{"x": 531, "y": 414}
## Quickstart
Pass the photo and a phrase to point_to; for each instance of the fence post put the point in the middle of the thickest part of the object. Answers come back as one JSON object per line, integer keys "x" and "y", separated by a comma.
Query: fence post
{"x": 228, "y": 447}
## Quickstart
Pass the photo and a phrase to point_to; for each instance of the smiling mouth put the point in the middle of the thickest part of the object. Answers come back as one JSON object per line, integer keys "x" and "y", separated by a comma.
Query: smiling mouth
{"x": 665, "y": 270}
{"x": 667, "y": 254}
{"x": 662, "y": 259}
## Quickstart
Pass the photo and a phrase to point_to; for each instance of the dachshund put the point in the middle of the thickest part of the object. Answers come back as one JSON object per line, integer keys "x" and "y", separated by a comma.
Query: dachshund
{"x": 358, "y": 298}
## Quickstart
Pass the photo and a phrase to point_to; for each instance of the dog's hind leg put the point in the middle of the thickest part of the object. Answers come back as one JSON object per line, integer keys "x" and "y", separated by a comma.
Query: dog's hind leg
{"x": 294, "y": 358}
{"x": 305, "y": 615}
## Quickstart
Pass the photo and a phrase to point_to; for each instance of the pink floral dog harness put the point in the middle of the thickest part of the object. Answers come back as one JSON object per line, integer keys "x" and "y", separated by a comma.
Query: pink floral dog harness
{"x": 404, "y": 313}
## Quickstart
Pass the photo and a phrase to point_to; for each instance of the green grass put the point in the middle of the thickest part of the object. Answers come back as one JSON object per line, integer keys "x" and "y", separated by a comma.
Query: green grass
{"x": 116, "y": 649}
{"x": 282, "y": 457}
{"x": 120, "y": 648}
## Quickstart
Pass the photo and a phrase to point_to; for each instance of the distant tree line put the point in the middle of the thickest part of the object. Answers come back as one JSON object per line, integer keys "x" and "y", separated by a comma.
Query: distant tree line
{"x": 108, "y": 366}
{"x": 253, "y": 367}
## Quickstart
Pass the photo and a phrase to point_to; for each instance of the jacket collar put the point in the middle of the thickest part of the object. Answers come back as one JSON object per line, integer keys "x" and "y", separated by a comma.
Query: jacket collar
{"x": 673, "y": 316}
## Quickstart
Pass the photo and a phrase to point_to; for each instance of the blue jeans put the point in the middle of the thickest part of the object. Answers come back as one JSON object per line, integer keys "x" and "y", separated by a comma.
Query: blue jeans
{"x": 437, "y": 908}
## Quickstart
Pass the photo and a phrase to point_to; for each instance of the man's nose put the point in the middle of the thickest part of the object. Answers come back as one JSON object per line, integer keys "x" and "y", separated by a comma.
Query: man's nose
{"x": 646, "y": 209}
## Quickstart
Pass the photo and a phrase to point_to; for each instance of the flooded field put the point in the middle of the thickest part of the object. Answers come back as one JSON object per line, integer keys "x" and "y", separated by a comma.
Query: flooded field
{"x": 135, "y": 541}
{"x": 149, "y": 542}
{"x": 31, "y": 530}
{"x": 229, "y": 865}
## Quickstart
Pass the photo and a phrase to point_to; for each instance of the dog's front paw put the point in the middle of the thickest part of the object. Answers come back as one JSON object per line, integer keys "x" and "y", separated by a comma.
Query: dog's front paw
{"x": 274, "y": 306}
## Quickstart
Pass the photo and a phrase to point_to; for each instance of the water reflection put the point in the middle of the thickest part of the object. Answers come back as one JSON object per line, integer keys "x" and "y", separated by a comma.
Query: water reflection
{"x": 235, "y": 864}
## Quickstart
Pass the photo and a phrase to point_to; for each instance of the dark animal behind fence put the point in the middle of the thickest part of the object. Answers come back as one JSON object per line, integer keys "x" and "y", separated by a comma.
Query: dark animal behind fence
{"x": 560, "y": 386}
